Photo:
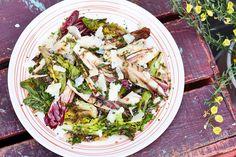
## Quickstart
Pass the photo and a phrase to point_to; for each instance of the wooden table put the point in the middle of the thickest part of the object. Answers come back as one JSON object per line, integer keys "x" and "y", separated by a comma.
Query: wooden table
{"x": 184, "y": 137}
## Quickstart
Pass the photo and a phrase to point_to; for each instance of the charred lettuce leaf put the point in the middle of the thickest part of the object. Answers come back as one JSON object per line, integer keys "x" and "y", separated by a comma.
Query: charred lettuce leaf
{"x": 37, "y": 98}
{"x": 73, "y": 71}
{"x": 110, "y": 30}
{"x": 93, "y": 24}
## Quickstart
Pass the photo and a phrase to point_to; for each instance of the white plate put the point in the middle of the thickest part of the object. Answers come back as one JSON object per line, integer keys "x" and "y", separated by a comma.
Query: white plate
{"x": 122, "y": 12}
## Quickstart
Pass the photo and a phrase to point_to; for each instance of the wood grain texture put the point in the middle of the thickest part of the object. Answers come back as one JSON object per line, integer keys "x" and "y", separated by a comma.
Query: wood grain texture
{"x": 13, "y": 13}
{"x": 9, "y": 123}
{"x": 29, "y": 148}
{"x": 159, "y": 8}
{"x": 22, "y": 12}
{"x": 184, "y": 137}
{"x": 196, "y": 55}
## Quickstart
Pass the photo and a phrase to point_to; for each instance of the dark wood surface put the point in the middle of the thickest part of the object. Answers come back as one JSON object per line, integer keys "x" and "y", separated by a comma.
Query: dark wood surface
{"x": 185, "y": 136}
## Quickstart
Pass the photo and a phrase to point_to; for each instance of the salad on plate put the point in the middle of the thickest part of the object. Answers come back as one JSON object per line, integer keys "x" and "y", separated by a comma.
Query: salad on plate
{"x": 96, "y": 79}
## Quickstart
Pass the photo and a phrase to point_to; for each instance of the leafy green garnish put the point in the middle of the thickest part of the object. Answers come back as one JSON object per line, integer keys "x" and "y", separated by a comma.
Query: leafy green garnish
{"x": 144, "y": 101}
{"x": 109, "y": 29}
{"x": 88, "y": 127}
{"x": 93, "y": 24}
{"x": 73, "y": 71}
{"x": 37, "y": 98}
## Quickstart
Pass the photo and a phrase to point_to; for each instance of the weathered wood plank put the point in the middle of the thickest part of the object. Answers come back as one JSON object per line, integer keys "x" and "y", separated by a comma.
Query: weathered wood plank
{"x": 29, "y": 148}
{"x": 159, "y": 8}
{"x": 9, "y": 123}
{"x": 186, "y": 135}
{"x": 22, "y": 12}
{"x": 196, "y": 55}
{"x": 14, "y": 17}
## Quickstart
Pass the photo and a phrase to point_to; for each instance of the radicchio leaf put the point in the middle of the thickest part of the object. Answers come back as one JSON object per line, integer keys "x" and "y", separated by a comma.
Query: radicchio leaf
{"x": 55, "y": 115}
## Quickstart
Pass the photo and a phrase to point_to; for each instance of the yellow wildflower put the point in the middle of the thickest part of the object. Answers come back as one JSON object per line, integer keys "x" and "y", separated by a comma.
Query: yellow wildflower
{"x": 219, "y": 118}
{"x": 230, "y": 7}
{"x": 210, "y": 13}
{"x": 214, "y": 109}
{"x": 217, "y": 130}
{"x": 189, "y": 8}
{"x": 218, "y": 99}
{"x": 234, "y": 60}
{"x": 227, "y": 20}
{"x": 203, "y": 16}
{"x": 226, "y": 42}
{"x": 234, "y": 32}
{"x": 198, "y": 9}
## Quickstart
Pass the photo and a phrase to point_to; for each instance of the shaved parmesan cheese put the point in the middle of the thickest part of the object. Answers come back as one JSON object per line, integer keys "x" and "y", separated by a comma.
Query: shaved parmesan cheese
{"x": 76, "y": 49}
{"x": 59, "y": 68}
{"x": 99, "y": 33}
{"x": 90, "y": 42}
{"x": 109, "y": 47}
{"x": 128, "y": 38}
{"x": 74, "y": 31}
{"x": 138, "y": 117}
{"x": 54, "y": 89}
{"x": 131, "y": 110}
{"x": 131, "y": 98}
{"x": 115, "y": 61}
{"x": 115, "y": 115}
{"x": 157, "y": 100}
{"x": 113, "y": 92}
{"x": 79, "y": 81}
{"x": 99, "y": 133}
{"x": 101, "y": 83}
{"x": 50, "y": 41}
{"x": 119, "y": 73}
{"x": 147, "y": 74}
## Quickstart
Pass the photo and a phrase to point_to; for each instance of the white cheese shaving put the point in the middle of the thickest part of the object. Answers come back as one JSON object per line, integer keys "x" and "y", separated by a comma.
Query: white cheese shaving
{"x": 54, "y": 89}
{"x": 128, "y": 38}
{"x": 76, "y": 49}
{"x": 101, "y": 83}
{"x": 74, "y": 31}
{"x": 119, "y": 73}
{"x": 59, "y": 68}
{"x": 50, "y": 41}
{"x": 99, "y": 133}
{"x": 147, "y": 75}
{"x": 90, "y": 42}
{"x": 131, "y": 110}
{"x": 113, "y": 92}
{"x": 79, "y": 81}
{"x": 157, "y": 100}
{"x": 99, "y": 33}
{"x": 114, "y": 115}
{"x": 138, "y": 117}
{"x": 131, "y": 98}
{"x": 115, "y": 61}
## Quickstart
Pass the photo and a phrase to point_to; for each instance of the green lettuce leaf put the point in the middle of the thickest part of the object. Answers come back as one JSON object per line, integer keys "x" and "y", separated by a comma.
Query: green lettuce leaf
{"x": 37, "y": 98}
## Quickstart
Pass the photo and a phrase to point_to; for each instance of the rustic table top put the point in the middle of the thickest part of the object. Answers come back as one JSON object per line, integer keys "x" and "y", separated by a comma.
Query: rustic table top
{"x": 185, "y": 136}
